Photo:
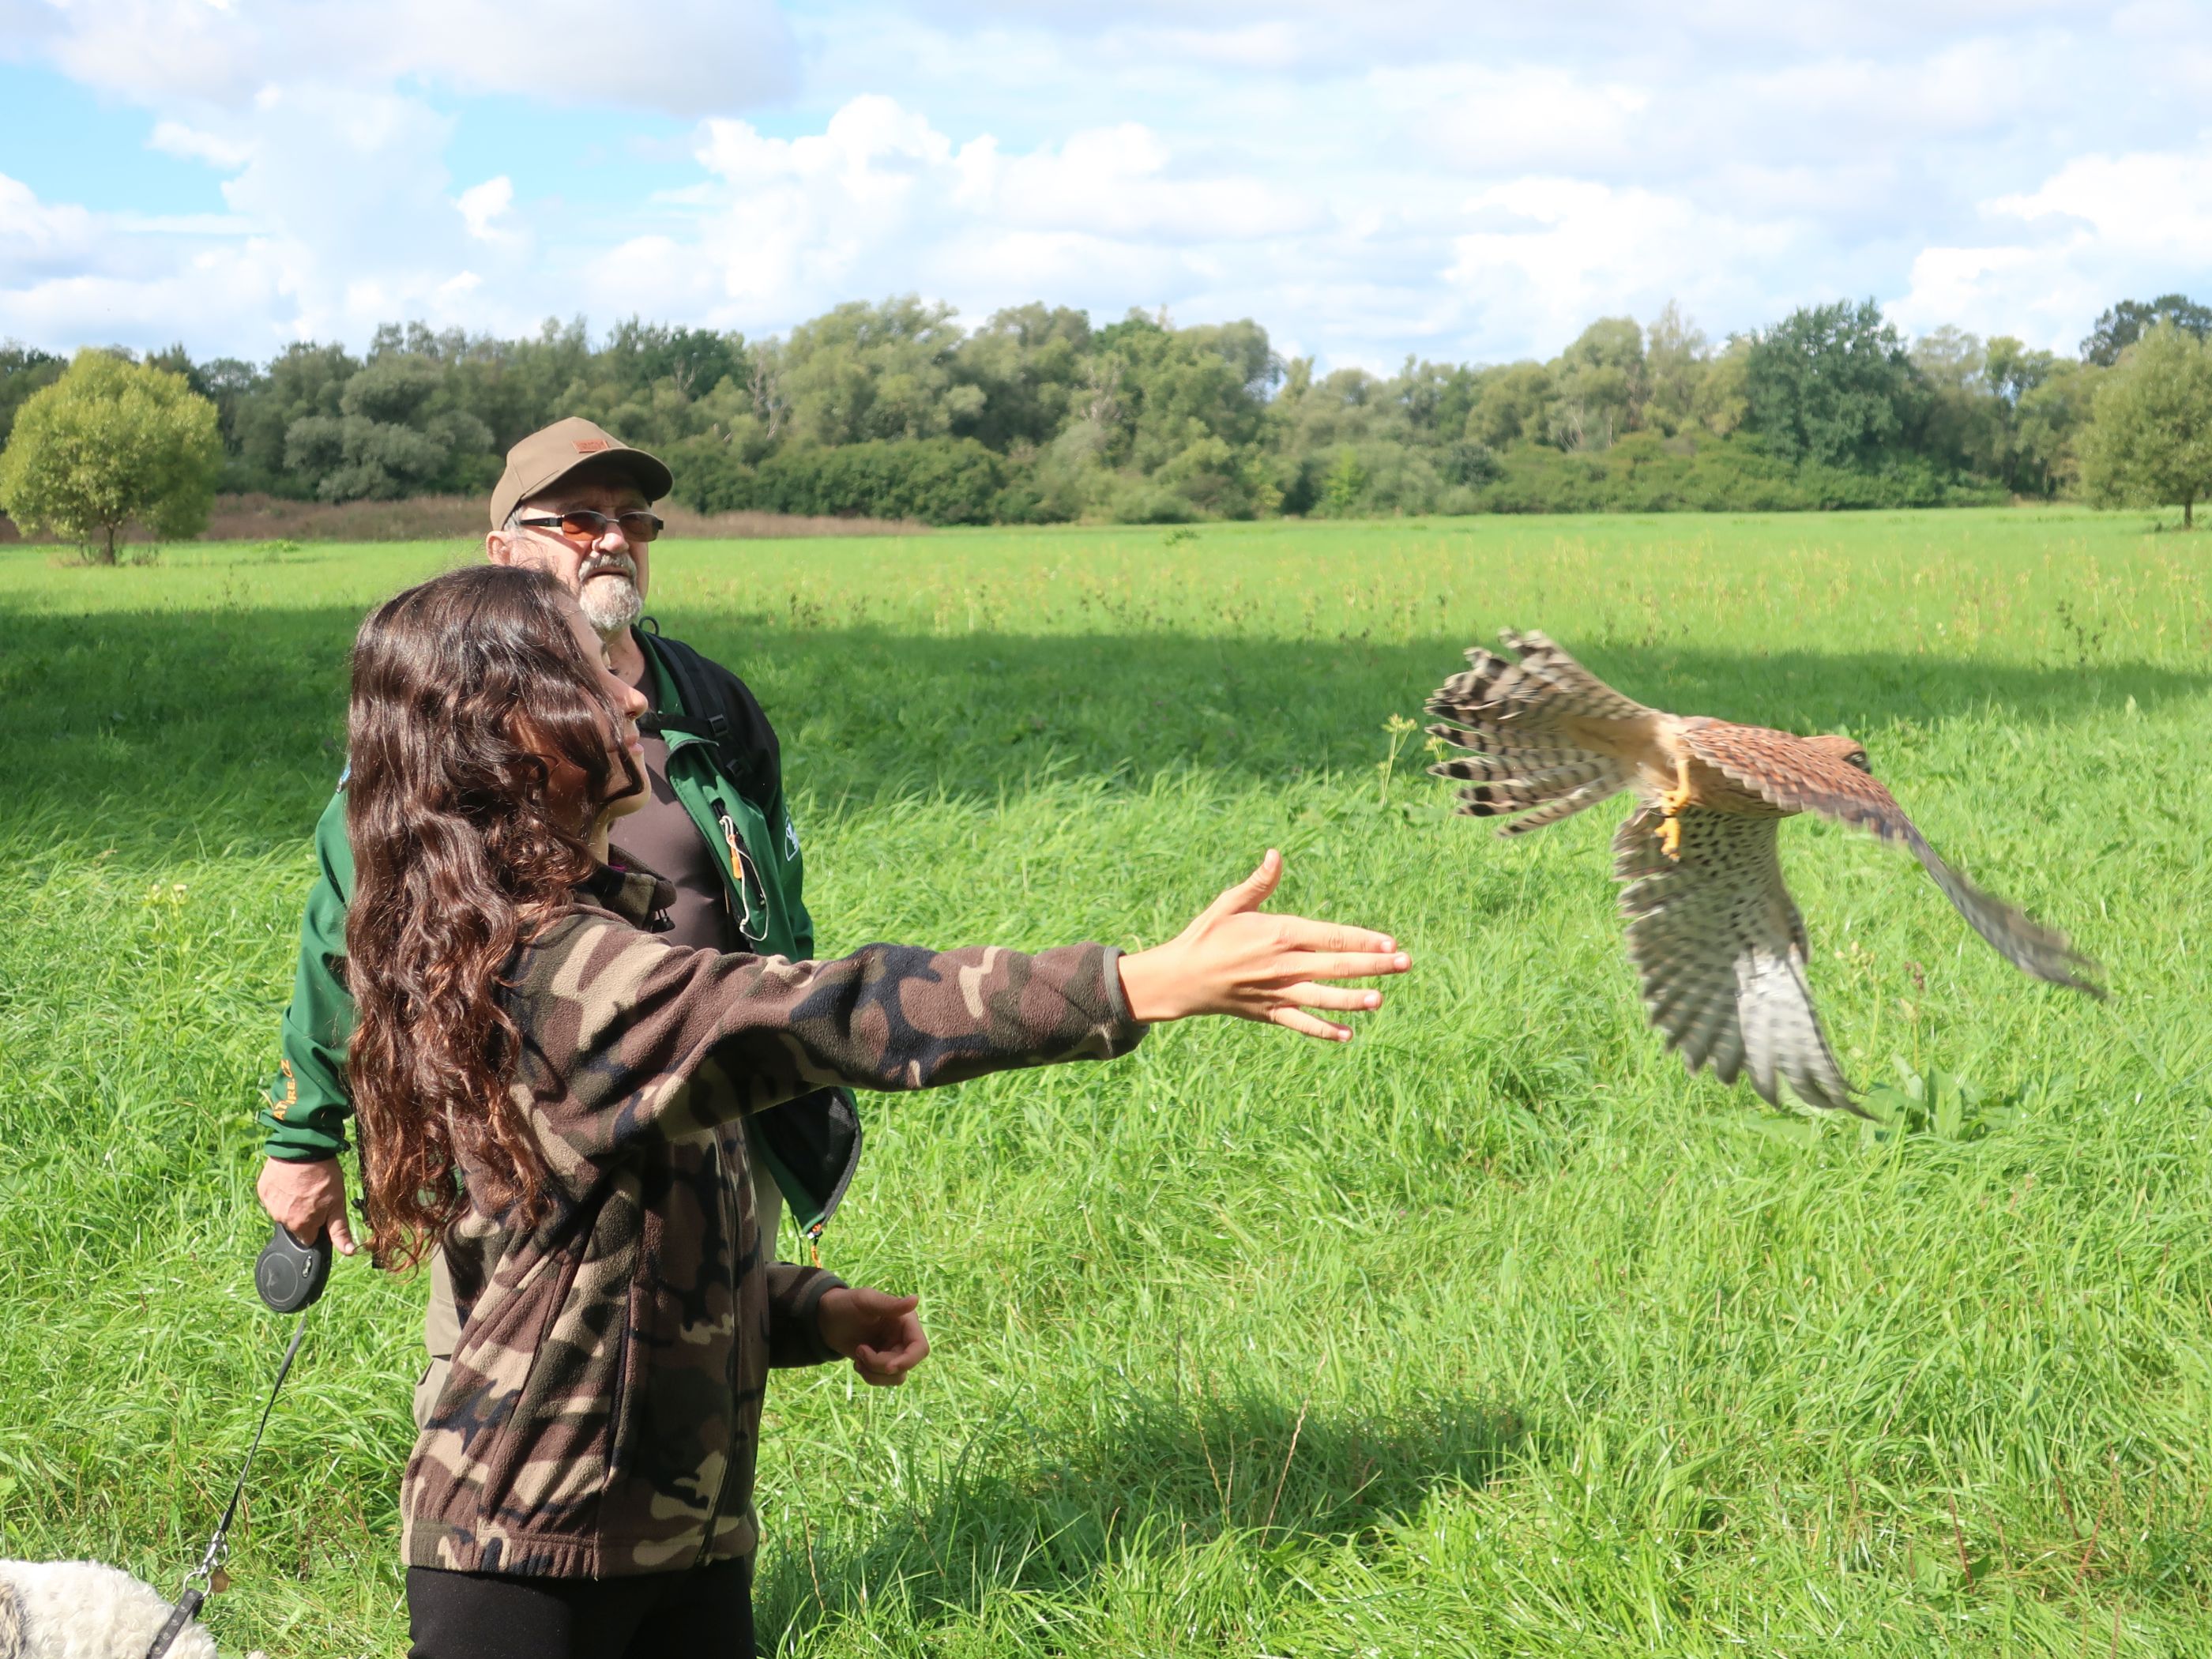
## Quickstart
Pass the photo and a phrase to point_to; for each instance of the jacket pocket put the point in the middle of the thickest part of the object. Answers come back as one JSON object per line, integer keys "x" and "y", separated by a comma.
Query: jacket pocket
{"x": 622, "y": 1433}
{"x": 523, "y": 1431}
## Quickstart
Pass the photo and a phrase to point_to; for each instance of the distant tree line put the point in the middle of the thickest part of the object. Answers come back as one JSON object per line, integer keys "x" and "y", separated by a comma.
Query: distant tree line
{"x": 895, "y": 410}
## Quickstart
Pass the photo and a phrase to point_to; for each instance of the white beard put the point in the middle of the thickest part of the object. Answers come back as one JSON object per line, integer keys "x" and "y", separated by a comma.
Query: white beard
{"x": 611, "y": 604}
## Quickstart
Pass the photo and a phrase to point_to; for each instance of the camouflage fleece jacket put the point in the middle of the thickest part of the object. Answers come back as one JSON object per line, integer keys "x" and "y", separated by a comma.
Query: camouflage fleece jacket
{"x": 600, "y": 1415}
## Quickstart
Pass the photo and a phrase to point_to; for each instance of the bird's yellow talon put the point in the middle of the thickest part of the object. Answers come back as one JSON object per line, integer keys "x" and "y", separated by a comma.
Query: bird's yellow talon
{"x": 1671, "y": 803}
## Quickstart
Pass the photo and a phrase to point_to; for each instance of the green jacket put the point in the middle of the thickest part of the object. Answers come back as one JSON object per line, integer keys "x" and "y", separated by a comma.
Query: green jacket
{"x": 731, "y": 785}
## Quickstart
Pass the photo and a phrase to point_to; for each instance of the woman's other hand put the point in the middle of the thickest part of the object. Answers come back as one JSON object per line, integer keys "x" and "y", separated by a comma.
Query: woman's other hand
{"x": 878, "y": 1332}
{"x": 1236, "y": 960}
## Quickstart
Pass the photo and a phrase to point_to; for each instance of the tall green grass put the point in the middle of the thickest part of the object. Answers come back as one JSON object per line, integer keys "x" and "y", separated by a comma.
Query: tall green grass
{"x": 1492, "y": 1334}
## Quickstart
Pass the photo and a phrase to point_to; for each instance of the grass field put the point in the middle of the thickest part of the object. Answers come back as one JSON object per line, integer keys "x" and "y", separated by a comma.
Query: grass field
{"x": 1491, "y": 1334}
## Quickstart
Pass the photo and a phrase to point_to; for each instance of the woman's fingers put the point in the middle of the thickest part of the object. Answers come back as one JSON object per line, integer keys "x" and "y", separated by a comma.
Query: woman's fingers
{"x": 1296, "y": 1020}
{"x": 1343, "y": 964}
{"x": 1304, "y": 933}
{"x": 1344, "y": 999}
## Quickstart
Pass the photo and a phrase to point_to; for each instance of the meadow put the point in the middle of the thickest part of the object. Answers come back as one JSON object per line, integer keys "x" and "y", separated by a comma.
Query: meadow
{"x": 1492, "y": 1332}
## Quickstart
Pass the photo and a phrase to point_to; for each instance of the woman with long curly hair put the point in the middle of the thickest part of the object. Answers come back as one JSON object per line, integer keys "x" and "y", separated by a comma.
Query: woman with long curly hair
{"x": 553, "y": 1093}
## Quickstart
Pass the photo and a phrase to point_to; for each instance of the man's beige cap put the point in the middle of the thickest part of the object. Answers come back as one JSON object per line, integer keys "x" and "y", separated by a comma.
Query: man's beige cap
{"x": 552, "y": 453}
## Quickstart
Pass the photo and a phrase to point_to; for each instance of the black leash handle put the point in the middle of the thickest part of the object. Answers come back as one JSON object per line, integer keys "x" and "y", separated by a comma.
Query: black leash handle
{"x": 188, "y": 1604}
{"x": 199, "y": 1582}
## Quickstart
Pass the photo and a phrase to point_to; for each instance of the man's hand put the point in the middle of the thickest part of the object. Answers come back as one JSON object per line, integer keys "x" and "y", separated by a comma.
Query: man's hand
{"x": 307, "y": 1198}
{"x": 877, "y": 1332}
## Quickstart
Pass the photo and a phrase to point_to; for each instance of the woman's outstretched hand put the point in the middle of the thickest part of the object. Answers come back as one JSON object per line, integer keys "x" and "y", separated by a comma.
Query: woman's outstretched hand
{"x": 1235, "y": 960}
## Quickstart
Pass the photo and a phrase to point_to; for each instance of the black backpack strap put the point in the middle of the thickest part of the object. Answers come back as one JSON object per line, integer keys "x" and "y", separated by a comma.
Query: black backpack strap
{"x": 715, "y": 728}
{"x": 721, "y": 707}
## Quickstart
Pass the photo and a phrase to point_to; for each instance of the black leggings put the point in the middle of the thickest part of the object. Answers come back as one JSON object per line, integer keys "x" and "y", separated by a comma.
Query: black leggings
{"x": 707, "y": 1612}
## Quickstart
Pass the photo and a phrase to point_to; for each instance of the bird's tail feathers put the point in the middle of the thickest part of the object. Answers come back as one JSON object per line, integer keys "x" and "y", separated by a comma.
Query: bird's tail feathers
{"x": 2044, "y": 952}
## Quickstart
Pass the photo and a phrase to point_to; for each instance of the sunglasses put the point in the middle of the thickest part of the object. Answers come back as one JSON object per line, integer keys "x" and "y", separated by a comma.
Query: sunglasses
{"x": 582, "y": 525}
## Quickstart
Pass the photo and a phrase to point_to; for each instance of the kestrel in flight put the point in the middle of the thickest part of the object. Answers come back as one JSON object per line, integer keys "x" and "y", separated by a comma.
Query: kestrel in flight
{"x": 1716, "y": 941}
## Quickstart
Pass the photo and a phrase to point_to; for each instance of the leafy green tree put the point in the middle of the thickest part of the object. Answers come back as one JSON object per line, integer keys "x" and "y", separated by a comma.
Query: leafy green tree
{"x": 2042, "y": 401}
{"x": 937, "y": 480}
{"x": 1964, "y": 422}
{"x": 108, "y": 444}
{"x": 1346, "y": 490}
{"x": 1832, "y": 384}
{"x": 304, "y": 380}
{"x": 1676, "y": 359}
{"x": 23, "y": 370}
{"x": 2047, "y": 421}
{"x": 1143, "y": 419}
{"x": 2012, "y": 368}
{"x": 693, "y": 360}
{"x": 1348, "y": 405}
{"x": 515, "y": 387}
{"x": 863, "y": 372}
{"x": 1167, "y": 387}
{"x": 2123, "y": 324}
{"x": 1435, "y": 399}
{"x": 2149, "y": 437}
{"x": 1027, "y": 363}
{"x": 1158, "y": 398}
{"x": 395, "y": 434}
{"x": 1600, "y": 384}
{"x": 1514, "y": 406}
{"x": 1721, "y": 402}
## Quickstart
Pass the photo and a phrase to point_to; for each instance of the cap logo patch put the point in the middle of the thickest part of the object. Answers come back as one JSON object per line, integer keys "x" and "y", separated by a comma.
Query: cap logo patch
{"x": 591, "y": 445}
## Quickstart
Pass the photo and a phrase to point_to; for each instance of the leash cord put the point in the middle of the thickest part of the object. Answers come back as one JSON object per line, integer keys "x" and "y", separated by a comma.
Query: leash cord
{"x": 196, "y": 1594}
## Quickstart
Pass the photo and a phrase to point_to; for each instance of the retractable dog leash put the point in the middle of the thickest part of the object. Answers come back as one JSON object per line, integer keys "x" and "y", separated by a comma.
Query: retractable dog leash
{"x": 289, "y": 1276}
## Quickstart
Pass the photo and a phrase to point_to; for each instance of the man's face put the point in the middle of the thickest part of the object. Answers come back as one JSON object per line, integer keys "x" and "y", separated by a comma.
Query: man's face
{"x": 608, "y": 576}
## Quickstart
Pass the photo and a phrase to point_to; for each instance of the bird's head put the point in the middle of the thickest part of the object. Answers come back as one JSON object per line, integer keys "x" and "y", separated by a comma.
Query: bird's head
{"x": 1850, "y": 750}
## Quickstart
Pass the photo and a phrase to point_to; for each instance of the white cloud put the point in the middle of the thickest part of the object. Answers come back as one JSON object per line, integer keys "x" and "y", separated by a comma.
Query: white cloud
{"x": 2155, "y": 205}
{"x": 881, "y": 201}
{"x": 339, "y": 221}
{"x": 1466, "y": 181}
{"x": 702, "y": 56}
{"x": 175, "y": 138}
{"x": 1546, "y": 257}
{"x": 38, "y": 236}
{"x": 1478, "y": 118}
{"x": 71, "y": 277}
{"x": 2099, "y": 227}
{"x": 483, "y": 206}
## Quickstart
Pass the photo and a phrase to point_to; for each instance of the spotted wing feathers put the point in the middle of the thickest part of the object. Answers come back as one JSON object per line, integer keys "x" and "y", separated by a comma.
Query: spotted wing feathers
{"x": 1515, "y": 720}
{"x": 1719, "y": 948}
{"x": 1798, "y": 777}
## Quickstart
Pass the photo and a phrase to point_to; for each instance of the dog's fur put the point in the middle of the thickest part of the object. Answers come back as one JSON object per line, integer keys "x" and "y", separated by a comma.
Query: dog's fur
{"x": 81, "y": 1610}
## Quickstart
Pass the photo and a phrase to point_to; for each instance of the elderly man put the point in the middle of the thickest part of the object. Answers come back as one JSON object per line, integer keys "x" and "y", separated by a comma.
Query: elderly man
{"x": 576, "y": 502}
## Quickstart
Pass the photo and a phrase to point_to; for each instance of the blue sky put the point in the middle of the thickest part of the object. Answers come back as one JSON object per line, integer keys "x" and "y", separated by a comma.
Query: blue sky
{"x": 1456, "y": 180}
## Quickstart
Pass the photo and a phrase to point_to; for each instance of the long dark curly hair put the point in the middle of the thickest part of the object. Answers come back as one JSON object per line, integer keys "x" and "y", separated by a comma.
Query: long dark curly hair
{"x": 468, "y": 691}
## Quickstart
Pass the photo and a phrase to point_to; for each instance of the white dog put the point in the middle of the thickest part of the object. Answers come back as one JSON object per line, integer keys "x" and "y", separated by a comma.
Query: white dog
{"x": 81, "y": 1610}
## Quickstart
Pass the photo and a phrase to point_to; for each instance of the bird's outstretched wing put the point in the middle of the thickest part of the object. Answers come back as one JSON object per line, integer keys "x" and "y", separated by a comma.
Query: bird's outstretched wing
{"x": 1524, "y": 728}
{"x": 1798, "y": 779}
{"x": 1719, "y": 951}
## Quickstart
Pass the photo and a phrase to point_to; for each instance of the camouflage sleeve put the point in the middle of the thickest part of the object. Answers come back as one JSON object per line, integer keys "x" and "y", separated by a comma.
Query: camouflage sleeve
{"x": 621, "y": 1024}
{"x": 794, "y": 1314}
